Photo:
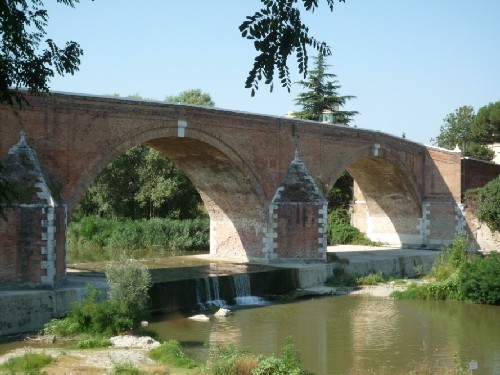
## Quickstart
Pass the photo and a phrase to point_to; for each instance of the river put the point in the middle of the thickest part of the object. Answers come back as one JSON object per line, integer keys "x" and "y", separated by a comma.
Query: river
{"x": 354, "y": 334}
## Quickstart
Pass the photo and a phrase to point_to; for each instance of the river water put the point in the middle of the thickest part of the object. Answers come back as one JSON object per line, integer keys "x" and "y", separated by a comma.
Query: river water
{"x": 354, "y": 334}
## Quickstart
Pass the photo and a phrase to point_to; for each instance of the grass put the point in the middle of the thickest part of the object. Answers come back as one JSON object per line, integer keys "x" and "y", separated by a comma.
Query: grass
{"x": 30, "y": 363}
{"x": 341, "y": 277}
{"x": 171, "y": 353}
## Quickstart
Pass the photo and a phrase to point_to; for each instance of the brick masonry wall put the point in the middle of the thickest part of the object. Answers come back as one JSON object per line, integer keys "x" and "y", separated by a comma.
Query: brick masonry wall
{"x": 236, "y": 160}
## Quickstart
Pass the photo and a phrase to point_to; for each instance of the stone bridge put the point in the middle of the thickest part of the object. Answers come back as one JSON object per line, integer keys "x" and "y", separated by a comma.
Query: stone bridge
{"x": 258, "y": 177}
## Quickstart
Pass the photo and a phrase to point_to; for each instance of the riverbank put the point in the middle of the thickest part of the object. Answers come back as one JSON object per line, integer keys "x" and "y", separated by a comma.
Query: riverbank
{"x": 28, "y": 310}
{"x": 102, "y": 360}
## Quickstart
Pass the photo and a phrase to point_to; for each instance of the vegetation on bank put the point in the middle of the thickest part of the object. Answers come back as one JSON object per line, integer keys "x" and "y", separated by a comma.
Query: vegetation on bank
{"x": 99, "y": 239}
{"x": 123, "y": 310}
{"x": 459, "y": 274}
{"x": 485, "y": 203}
{"x": 340, "y": 231}
{"x": 29, "y": 363}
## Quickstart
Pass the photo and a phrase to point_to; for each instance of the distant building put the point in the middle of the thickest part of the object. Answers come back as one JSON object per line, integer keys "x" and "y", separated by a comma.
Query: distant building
{"x": 496, "y": 148}
{"x": 327, "y": 117}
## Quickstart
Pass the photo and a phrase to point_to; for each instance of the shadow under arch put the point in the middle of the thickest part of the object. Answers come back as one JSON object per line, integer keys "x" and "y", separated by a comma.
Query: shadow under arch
{"x": 232, "y": 195}
{"x": 387, "y": 203}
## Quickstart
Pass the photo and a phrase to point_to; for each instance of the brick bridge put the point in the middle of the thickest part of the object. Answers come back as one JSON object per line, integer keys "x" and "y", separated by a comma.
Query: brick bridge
{"x": 258, "y": 177}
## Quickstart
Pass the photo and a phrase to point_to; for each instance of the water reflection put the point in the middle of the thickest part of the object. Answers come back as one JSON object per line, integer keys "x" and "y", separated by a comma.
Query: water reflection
{"x": 357, "y": 334}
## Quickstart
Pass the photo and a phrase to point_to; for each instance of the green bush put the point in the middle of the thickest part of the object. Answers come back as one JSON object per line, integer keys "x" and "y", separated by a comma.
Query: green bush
{"x": 340, "y": 231}
{"x": 288, "y": 364}
{"x": 489, "y": 204}
{"x": 171, "y": 353}
{"x": 373, "y": 279}
{"x": 124, "y": 368}
{"x": 124, "y": 309}
{"x": 479, "y": 280}
{"x": 129, "y": 282}
{"x": 93, "y": 342}
{"x": 30, "y": 363}
{"x": 451, "y": 258}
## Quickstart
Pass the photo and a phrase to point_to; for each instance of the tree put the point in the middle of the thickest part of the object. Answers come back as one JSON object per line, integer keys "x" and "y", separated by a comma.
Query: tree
{"x": 489, "y": 204}
{"x": 322, "y": 95}
{"x": 486, "y": 126}
{"x": 278, "y": 32}
{"x": 24, "y": 60}
{"x": 143, "y": 183}
{"x": 457, "y": 130}
{"x": 194, "y": 96}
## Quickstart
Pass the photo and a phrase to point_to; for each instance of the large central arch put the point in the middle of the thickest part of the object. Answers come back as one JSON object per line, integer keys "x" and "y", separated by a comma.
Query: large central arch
{"x": 232, "y": 195}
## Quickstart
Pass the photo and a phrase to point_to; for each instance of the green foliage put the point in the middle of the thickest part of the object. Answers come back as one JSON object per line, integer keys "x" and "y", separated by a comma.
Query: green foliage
{"x": 124, "y": 368}
{"x": 459, "y": 130}
{"x": 30, "y": 363}
{"x": 451, "y": 258}
{"x": 341, "y": 194}
{"x": 227, "y": 360}
{"x": 340, "y": 231}
{"x": 374, "y": 279}
{"x": 98, "y": 316}
{"x": 93, "y": 342}
{"x": 25, "y": 61}
{"x": 194, "y": 96}
{"x": 288, "y": 364}
{"x": 489, "y": 204}
{"x": 230, "y": 361}
{"x": 479, "y": 279}
{"x": 140, "y": 184}
{"x": 460, "y": 275}
{"x": 486, "y": 127}
{"x": 93, "y": 238}
{"x": 171, "y": 353}
{"x": 321, "y": 95}
{"x": 129, "y": 282}
{"x": 277, "y": 32}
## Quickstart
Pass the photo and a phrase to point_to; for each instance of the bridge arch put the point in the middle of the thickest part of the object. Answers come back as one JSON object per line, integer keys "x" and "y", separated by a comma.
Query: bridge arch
{"x": 229, "y": 189}
{"x": 387, "y": 203}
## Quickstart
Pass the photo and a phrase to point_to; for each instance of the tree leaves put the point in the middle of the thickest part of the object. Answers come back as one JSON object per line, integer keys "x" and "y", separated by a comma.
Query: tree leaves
{"x": 24, "y": 63}
{"x": 278, "y": 32}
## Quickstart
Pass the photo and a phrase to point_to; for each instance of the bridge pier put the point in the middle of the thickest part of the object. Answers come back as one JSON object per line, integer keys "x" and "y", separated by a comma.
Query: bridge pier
{"x": 297, "y": 219}
{"x": 33, "y": 232}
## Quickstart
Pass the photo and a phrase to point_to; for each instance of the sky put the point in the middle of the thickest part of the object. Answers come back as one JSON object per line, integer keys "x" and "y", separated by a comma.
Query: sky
{"x": 408, "y": 62}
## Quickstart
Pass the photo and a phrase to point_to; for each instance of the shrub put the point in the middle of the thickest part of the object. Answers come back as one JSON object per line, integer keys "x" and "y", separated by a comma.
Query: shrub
{"x": 340, "y": 231}
{"x": 288, "y": 364}
{"x": 171, "y": 353}
{"x": 129, "y": 282}
{"x": 489, "y": 204}
{"x": 373, "y": 279}
{"x": 29, "y": 363}
{"x": 93, "y": 342}
{"x": 451, "y": 258}
{"x": 479, "y": 280}
{"x": 124, "y": 368}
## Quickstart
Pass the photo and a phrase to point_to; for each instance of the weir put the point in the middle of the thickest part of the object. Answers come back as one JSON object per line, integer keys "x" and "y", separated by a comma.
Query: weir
{"x": 200, "y": 287}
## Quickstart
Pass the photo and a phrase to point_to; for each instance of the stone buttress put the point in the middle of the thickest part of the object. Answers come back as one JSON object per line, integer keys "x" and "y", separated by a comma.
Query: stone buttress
{"x": 297, "y": 218}
{"x": 33, "y": 227}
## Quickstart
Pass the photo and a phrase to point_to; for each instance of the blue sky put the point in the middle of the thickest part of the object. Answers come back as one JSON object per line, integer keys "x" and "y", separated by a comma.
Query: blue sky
{"x": 408, "y": 62}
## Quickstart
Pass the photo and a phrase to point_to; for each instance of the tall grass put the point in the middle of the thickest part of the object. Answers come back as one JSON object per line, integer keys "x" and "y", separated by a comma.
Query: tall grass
{"x": 97, "y": 239}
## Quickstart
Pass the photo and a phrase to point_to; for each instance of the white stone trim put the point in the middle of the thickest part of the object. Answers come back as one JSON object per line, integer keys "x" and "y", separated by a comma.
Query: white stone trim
{"x": 181, "y": 128}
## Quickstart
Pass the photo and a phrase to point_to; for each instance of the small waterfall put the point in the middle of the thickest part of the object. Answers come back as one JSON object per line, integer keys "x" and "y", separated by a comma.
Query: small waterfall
{"x": 242, "y": 291}
{"x": 208, "y": 293}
